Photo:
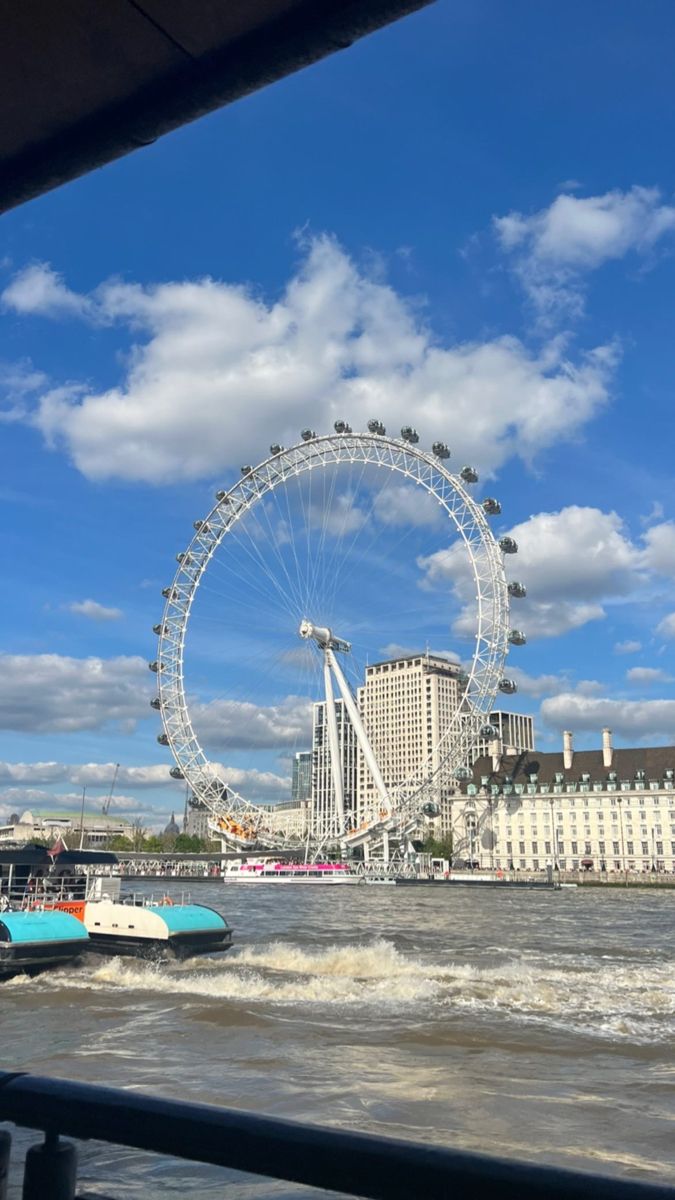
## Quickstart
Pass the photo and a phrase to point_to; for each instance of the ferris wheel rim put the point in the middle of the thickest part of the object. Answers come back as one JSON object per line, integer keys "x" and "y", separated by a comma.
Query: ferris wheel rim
{"x": 256, "y": 482}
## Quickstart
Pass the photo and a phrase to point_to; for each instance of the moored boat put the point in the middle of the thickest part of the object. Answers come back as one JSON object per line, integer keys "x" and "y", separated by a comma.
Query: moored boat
{"x": 267, "y": 870}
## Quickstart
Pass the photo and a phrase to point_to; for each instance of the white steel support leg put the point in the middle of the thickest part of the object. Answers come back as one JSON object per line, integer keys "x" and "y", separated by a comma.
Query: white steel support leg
{"x": 361, "y": 735}
{"x": 334, "y": 742}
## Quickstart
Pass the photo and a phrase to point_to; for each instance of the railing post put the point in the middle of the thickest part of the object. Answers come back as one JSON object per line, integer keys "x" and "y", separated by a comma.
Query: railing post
{"x": 5, "y": 1147}
{"x": 51, "y": 1170}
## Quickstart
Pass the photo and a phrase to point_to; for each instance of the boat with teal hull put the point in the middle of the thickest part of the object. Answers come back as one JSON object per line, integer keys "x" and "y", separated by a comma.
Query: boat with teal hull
{"x": 34, "y": 940}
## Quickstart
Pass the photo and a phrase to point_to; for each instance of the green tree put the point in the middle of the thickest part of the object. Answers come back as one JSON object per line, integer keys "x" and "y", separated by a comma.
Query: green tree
{"x": 438, "y": 847}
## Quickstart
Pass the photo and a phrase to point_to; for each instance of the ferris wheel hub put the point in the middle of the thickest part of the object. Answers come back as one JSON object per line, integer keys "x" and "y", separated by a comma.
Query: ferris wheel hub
{"x": 324, "y": 637}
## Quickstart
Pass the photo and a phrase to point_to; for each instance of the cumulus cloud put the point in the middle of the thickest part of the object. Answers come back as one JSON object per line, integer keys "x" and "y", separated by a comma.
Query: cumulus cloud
{"x": 209, "y": 356}
{"x": 666, "y": 627}
{"x": 39, "y": 289}
{"x": 569, "y": 560}
{"x": 409, "y": 506}
{"x": 395, "y": 650}
{"x": 53, "y": 693}
{"x": 627, "y": 647}
{"x": 21, "y": 798}
{"x": 630, "y": 719}
{"x": 94, "y": 611}
{"x": 552, "y": 249}
{"x": 241, "y": 725}
{"x": 23, "y": 785}
{"x": 18, "y": 382}
{"x": 659, "y": 549}
{"x": 262, "y": 787}
{"x": 647, "y": 675}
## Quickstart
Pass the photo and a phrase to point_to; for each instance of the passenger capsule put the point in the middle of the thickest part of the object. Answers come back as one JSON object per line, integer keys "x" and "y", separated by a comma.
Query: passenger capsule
{"x": 518, "y": 590}
{"x": 176, "y": 773}
{"x": 463, "y": 773}
{"x": 342, "y": 427}
{"x": 488, "y": 731}
{"x": 430, "y": 809}
{"x": 222, "y": 497}
{"x": 275, "y": 448}
{"x": 197, "y": 525}
{"x": 307, "y": 435}
{"x": 508, "y": 686}
{"x": 166, "y": 592}
{"x": 184, "y": 558}
{"x": 410, "y": 435}
{"x": 375, "y": 426}
{"x": 491, "y": 506}
{"x": 469, "y": 474}
{"x": 155, "y": 666}
{"x": 162, "y": 739}
{"x": 517, "y": 637}
{"x": 508, "y": 545}
{"x": 159, "y": 629}
{"x": 440, "y": 450}
{"x": 247, "y": 469}
{"x": 156, "y": 703}
{"x": 462, "y": 677}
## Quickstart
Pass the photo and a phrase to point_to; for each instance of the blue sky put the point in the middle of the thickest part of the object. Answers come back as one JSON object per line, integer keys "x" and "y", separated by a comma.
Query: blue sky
{"x": 467, "y": 219}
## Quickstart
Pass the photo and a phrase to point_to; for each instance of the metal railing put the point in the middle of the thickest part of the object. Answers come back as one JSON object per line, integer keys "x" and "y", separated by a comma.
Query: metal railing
{"x": 353, "y": 1164}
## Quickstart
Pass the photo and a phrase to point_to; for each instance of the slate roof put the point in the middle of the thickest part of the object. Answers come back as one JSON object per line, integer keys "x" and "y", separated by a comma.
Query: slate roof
{"x": 653, "y": 760}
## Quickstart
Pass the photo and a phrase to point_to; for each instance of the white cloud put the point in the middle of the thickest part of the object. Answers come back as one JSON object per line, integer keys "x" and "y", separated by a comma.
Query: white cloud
{"x": 647, "y": 675}
{"x": 666, "y": 627}
{"x": 569, "y": 561}
{"x": 240, "y": 725}
{"x": 214, "y": 369}
{"x": 394, "y": 650}
{"x": 94, "y": 611}
{"x": 412, "y": 506}
{"x": 659, "y": 549}
{"x": 89, "y": 774}
{"x": 39, "y": 289}
{"x": 18, "y": 382}
{"x": 19, "y": 799}
{"x": 24, "y": 782}
{"x": 628, "y": 647}
{"x": 52, "y": 693}
{"x": 261, "y": 787}
{"x": 554, "y": 247}
{"x": 630, "y": 719}
{"x": 538, "y": 685}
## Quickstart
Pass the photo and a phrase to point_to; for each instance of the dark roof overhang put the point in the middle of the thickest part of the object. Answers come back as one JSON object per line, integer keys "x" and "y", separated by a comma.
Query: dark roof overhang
{"x": 83, "y": 83}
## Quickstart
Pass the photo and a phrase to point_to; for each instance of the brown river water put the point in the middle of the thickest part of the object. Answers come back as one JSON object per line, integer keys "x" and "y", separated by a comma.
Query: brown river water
{"x": 538, "y": 1025}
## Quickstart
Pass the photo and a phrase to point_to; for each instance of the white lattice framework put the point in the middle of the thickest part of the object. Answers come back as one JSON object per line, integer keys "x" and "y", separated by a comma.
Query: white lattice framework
{"x": 242, "y": 823}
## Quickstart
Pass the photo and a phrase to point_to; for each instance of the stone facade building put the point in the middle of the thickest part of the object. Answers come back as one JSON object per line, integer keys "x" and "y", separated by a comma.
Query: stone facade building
{"x": 608, "y": 810}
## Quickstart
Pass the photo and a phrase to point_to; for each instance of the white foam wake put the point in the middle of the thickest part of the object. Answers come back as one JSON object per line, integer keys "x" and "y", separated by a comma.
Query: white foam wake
{"x": 620, "y": 999}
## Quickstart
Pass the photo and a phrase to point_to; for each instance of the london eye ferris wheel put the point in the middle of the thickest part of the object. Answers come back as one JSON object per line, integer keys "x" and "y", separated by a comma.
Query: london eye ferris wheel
{"x": 317, "y": 555}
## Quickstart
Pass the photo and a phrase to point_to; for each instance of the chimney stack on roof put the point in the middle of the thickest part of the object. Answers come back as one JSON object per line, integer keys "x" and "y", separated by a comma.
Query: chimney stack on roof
{"x": 607, "y": 749}
{"x": 495, "y": 752}
{"x": 568, "y": 751}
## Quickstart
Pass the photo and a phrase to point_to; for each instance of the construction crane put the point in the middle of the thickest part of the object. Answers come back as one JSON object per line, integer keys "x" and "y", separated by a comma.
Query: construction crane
{"x": 106, "y": 802}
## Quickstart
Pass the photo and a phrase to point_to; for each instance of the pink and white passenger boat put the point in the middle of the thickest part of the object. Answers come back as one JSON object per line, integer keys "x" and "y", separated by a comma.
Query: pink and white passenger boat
{"x": 266, "y": 870}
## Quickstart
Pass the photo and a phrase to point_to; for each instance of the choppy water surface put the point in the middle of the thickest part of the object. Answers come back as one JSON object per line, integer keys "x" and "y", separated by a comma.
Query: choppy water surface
{"x": 533, "y": 1024}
